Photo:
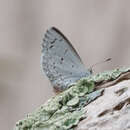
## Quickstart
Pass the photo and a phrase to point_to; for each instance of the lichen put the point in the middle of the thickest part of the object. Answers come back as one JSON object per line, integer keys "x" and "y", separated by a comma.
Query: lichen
{"x": 65, "y": 110}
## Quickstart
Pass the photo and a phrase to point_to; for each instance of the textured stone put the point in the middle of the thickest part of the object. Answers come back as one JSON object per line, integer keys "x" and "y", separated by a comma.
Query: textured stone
{"x": 98, "y": 105}
{"x": 111, "y": 111}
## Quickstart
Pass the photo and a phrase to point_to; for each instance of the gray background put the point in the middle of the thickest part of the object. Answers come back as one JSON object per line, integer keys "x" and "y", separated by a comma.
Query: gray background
{"x": 98, "y": 29}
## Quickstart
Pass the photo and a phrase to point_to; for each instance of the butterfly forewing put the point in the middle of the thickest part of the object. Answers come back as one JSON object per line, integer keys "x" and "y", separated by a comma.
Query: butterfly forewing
{"x": 60, "y": 61}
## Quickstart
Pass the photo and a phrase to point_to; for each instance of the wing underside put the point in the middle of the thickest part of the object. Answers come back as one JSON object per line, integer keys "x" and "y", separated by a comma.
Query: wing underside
{"x": 60, "y": 61}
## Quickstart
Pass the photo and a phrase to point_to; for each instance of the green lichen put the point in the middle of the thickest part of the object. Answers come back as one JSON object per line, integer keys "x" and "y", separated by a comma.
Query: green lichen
{"x": 73, "y": 102}
{"x": 65, "y": 110}
{"x": 107, "y": 75}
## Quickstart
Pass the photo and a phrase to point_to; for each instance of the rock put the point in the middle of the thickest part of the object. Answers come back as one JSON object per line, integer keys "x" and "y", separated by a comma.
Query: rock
{"x": 97, "y": 102}
{"x": 111, "y": 111}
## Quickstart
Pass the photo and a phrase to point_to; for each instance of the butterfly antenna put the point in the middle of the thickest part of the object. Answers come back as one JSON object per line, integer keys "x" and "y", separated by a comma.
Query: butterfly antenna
{"x": 98, "y": 63}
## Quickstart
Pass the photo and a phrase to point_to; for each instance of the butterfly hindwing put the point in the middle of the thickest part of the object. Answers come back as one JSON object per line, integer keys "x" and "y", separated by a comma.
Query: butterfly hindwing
{"x": 60, "y": 61}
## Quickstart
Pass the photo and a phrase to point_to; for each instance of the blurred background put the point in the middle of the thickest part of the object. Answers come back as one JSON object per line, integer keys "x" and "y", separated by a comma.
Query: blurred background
{"x": 97, "y": 29}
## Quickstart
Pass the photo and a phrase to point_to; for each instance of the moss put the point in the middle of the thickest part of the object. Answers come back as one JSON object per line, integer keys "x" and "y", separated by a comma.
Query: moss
{"x": 65, "y": 110}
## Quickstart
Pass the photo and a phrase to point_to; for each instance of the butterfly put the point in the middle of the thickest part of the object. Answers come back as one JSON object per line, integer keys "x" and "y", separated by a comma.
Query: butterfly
{"x": 60, "y": 61}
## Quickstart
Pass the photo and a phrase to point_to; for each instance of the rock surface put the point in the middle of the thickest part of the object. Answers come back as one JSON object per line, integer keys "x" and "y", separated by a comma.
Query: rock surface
{"x": 97, "y": 102}
{"x": 111, "y": 111}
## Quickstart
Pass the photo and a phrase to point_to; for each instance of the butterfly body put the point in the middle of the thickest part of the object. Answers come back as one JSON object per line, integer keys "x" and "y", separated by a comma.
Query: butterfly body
{"x": 60, "y": 61}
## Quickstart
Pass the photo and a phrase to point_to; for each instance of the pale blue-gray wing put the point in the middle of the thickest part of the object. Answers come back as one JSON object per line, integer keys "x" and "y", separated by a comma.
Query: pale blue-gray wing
{"x": 60, "y": 61}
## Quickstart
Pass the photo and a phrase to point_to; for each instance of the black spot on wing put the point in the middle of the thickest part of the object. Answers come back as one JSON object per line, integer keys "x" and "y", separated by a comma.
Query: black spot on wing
{"x": 62, "y": 58}
{"x": 53, "y": 41}
{"x": 65, "y": 51}
{"x": 51, "y": 46}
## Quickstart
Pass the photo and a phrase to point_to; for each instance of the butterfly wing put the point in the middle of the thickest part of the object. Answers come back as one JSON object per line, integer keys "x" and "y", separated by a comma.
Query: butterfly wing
{"x": 60, "y": 61}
